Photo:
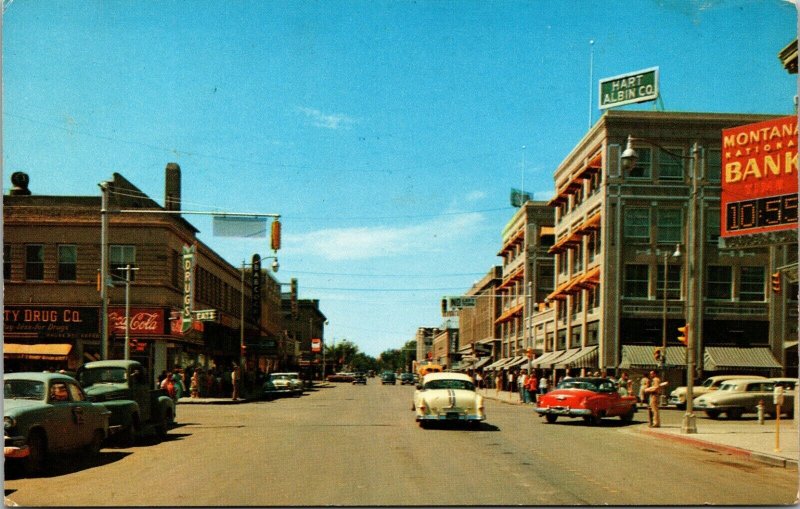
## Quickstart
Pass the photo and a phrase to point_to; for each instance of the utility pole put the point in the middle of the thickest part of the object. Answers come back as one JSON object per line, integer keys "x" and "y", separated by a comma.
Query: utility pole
{"x": 127, "y": 270}
{"x": 104, "y": 269}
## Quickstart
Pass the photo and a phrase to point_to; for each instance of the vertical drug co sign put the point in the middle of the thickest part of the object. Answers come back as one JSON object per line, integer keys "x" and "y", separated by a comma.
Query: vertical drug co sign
{"x": 759, "y": 177}
{"x": 188, "y": 288}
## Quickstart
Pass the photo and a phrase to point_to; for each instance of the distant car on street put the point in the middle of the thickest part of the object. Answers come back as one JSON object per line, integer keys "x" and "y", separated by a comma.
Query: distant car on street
{"x": 388, "y": 378}
{"x": 406, "y": 379}
{"x": 448, "y": 397}
{"x": 590, "y": 398}
{"x": 360, "y": 379}
{"x": 282, "y": 384}
{"x": 341, "y": 377}
{"x": 49, "y": 412}
{"x": 712, "y": 383}
{"x": 741, "y": 396}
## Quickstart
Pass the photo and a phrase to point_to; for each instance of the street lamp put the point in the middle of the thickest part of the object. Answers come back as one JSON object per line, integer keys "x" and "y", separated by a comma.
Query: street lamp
{"x": 629, "y": 158}
{"x": 676, "y": 254}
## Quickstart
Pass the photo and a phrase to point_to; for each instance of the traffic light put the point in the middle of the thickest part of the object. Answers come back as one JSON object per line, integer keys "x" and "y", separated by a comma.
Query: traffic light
{"x": 658, "y": 354}
{"x": 776, "y": 282}
{"x": 684, "y": 337}
{"x": 444, "y": 307}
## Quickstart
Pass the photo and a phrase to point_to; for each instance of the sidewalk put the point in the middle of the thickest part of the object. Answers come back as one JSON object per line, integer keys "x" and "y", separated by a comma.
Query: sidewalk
{"x": 246, "y": 398}
{"x": 746, "y": 438}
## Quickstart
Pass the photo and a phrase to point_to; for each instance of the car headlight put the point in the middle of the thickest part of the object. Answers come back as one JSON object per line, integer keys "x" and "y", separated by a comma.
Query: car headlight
{"x": 9, "y": 423}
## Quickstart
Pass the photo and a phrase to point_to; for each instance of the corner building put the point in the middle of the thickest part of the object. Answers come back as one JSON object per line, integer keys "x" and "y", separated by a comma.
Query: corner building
{"x": 615, "y": 230}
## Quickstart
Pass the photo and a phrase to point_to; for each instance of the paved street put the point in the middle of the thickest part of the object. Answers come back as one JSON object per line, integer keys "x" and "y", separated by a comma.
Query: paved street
{"x": 359, "y": 445}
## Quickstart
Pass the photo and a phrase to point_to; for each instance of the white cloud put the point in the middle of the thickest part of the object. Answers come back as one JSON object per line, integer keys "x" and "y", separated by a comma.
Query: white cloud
{"x": 476, "y": 196}
{"x": 332, "y": 121}
{"x": 361, "y": 243}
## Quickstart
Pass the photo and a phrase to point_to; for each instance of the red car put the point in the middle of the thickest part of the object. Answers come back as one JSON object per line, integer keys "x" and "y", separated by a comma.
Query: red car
{"x": 591, "y": 398}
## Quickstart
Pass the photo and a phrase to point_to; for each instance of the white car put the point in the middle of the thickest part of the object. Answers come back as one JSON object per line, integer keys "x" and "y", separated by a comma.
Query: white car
{"x": 283, "y": 383}
{"x": 448, "y": 397}
{"x": 712, "y": 383}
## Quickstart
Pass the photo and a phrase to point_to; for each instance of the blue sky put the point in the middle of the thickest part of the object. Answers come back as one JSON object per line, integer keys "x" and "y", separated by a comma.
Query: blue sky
{"x": 387, "y": 134}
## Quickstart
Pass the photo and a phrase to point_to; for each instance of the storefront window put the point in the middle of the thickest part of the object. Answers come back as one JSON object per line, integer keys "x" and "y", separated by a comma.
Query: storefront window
{"x": 670, "y": 166}
{"x": 713, "y": 165}
{"x": 719, "y": 282}
{"x": 120, "y": 257}
{"x": 637, "y": 223}
{"x": 673, "y": 283}
{"x": 636, "y": 281}
{"x": 751, "y": 286}
{"x": 669, "y": 225}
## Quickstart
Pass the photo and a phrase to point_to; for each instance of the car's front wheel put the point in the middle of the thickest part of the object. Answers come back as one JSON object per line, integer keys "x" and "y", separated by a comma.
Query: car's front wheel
{"x": 713, "y": 414}
{"x": 734, "y": 413}
{"x": 628, "y": 416}
{"x": 551, "y": 418}
{"x": 93, "y": 447}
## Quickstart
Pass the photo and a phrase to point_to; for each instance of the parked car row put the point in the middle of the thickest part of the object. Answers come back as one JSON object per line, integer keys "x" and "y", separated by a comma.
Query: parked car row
{"x": 46, "y": 413}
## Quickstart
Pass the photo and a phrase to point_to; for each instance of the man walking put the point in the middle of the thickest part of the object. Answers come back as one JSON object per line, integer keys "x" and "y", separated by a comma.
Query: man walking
{"x": 653, "y": 392}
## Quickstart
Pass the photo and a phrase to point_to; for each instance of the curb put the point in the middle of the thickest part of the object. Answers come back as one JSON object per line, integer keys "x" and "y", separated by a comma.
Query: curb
{"x": 727, "y": 449}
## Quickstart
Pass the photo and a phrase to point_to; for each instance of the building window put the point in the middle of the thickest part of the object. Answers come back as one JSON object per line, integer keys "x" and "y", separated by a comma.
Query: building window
{"x": 714, "y": 165}
{"x": 636, "y": 281}
{"x": 6, "y": 261}
{"x": 34, "y": 262}
{"x": 643, "y": 164}
{"x": 637, "y": 223}
{"x": 670, "y": 224}
{"x": 673, "y": 282}
{"x": 119, "y": 258}
{"x": 712, "y": 225}
{"x": 67, "y": 263}
{"x": 670, "y": 166}
{"x": 751, "y": 287}
{"x": 719, "y": 282}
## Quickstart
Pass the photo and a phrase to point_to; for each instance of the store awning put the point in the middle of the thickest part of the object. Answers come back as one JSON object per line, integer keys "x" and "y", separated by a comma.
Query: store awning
{"x": 514, "y": 310}
{"x": 569, "y": 354}
{"x": 642, "y": 356}
{"x": 517, "y": 361}
{"x": 496, "y": 363}
{"x": 717, "y": 358}
{"x": 583, "y": 358}
{"x": 546, "y": 358}
{"x": 39, "y": 352}
{"x": 482, "y": 362}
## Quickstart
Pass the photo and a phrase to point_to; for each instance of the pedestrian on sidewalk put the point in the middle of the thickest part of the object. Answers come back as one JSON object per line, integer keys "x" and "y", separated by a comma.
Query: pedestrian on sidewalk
{"x": 654, "y": 391}
{"x": 523, "y": 393}
{"x": 498, "y": 382}
{"x": 194, "y": 386}
{"x": 644, "y": 383}
{"x": 479, "y": 380}
{"x": 236, "y": 375}
{"x": 543, "y": 383}
{"x": 532, "y": 386}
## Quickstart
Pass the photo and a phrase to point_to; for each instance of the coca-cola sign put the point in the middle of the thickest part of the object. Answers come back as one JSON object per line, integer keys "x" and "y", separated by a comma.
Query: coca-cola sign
{"x": 143, "y": 321}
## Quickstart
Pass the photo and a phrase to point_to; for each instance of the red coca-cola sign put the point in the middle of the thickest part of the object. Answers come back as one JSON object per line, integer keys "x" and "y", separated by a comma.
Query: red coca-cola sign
{"x": 143, "y": 321}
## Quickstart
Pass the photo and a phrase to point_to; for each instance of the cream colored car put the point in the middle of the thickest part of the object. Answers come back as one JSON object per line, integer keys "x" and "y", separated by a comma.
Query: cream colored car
{"x": 448, "y": 397}
{"x": 712, "y": 383}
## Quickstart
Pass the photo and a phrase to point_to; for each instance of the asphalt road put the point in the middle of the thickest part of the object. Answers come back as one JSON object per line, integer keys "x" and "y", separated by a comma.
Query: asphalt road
{"x": 359, "y": 445}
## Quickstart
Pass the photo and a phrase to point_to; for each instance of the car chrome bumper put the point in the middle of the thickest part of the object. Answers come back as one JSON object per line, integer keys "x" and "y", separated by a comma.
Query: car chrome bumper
{"x": 451, "y": 416}
{"x": 570, "y": 412}
{"x": 15, "y": 447}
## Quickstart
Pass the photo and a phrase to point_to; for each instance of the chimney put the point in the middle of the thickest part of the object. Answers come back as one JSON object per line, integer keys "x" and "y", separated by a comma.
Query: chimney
{"x": 172, "y": 187}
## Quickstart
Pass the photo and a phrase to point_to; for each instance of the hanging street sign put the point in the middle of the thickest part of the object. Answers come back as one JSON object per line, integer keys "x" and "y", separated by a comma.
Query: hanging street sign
{"x": 635, "y": 87}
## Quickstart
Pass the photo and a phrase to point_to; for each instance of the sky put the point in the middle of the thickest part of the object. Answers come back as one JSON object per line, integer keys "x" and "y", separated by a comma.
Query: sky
{"x": 387, "y": 134}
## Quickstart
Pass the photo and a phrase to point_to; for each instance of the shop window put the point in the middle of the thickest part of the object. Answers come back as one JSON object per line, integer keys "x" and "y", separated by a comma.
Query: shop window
{"x": 34, "y": 262}
{"x": 751, "y": 284}
{"x": 644, "y": 164}
{"x": 6, "y": 261}
{"x": 673, "y": 282}
{"x": 670, "y": 222}
{"x": 635, "y": 284}
{"x": 67, "y": 263}
{"x": 670, "y": 165}
{"x": 120, "y": 257}
{"x": 719, "y": 282}
{"x": 637, "y": 223}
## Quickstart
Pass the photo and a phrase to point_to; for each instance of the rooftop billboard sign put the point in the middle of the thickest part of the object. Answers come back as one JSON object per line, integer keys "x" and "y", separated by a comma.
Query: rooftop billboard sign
{"x": 759, "y": 177}
{"x": 634, "y": 87}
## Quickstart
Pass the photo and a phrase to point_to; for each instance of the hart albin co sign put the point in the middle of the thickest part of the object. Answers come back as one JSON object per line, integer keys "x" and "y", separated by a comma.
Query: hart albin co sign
{"x": 633, "y": 87}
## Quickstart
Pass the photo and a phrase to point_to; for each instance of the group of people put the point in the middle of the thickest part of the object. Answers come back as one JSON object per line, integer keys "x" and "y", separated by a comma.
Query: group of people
{"x": 650, "y": 387}
{"x": 202, "y": 383}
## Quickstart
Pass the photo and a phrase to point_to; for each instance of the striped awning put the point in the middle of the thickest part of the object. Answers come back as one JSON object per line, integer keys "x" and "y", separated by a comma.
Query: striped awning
{"x": 481, "y": 362}
{"x": 717, "y": 358}
{"x": 641, "y": 356}
{"x": 566, "y": 357}
{"x": 497, "y": 363}
{"x": 546, "y": 358}
{"x": 583, "y": 358}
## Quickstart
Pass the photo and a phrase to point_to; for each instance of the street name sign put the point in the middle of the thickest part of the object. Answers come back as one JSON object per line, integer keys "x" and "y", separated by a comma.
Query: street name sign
{"x": 635, "y": 87}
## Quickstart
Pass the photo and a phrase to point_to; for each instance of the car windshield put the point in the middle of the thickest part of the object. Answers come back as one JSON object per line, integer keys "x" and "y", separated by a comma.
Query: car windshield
{"x": 727, "y": 387}
{"x": 110, "y": 375}
{"x": 24, "y": 389}
{"x": 708, "y": 382}
{"x": 450, "y": 384}
{"x": 280, "y": 377}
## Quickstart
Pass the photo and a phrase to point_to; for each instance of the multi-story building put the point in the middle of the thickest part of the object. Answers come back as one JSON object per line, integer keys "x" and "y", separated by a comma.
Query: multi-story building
{"x": 527, "y": 277}
{"x": 478, "y": 328}
{"x": 619, "y": 292}
{"x": 424, "y": 340}
{"x": 51, "y": 281}
{"x": 303, "y": 321}
{"x": 445, "y": 344}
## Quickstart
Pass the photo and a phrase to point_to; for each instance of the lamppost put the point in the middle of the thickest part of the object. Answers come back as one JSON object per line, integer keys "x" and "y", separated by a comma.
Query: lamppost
{"x": 275, "y": 267}
{"x": 676, "y": 254}
{"x": 629, "y": 158}
{"x": 127, "y": 270}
